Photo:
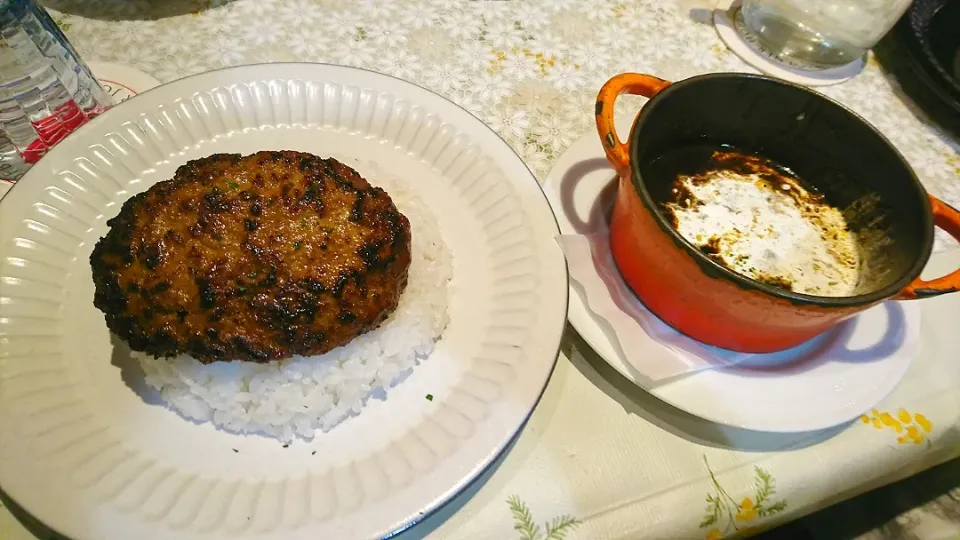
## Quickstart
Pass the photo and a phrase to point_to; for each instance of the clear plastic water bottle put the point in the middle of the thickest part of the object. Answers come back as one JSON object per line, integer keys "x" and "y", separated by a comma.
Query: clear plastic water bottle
{"x": 46, "y": 91}
{"x": 819, "y": 34}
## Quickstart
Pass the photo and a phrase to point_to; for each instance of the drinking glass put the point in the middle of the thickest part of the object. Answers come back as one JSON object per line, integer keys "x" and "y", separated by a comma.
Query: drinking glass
{"x": 818, "y": 34}
{"x": 46, "y": 90}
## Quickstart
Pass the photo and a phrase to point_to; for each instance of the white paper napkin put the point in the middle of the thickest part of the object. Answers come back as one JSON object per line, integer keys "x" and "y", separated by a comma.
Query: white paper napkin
{"x": 647, "y": 344}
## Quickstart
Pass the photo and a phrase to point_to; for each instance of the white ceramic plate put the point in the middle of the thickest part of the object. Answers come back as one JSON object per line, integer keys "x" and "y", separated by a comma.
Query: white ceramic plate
{"x": 826, "y": 382}
{"x": 83, "y": 452}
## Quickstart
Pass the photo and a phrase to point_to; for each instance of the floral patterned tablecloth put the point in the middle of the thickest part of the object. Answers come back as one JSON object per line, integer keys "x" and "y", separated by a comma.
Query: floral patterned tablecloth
{"x": 599, "y": 458}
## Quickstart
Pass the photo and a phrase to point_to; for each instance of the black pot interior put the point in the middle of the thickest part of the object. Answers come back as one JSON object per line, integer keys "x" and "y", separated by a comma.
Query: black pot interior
{"x": 829, "y": 148}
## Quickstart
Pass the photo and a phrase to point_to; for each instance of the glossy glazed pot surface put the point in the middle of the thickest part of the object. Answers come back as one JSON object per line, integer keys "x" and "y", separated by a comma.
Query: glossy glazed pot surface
{"x": 826, "y": 146}
{"x": 830, "y": 149}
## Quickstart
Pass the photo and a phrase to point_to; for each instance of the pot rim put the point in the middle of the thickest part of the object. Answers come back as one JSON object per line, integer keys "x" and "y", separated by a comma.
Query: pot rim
{"x": 715, "y": 269}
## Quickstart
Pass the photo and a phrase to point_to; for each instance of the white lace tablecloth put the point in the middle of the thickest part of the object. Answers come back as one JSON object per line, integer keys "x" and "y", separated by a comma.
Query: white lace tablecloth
{"x": 599, "y": 458}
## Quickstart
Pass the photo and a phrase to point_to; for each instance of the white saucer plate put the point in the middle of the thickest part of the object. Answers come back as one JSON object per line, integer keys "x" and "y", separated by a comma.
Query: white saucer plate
{"x": 828, "y": 381}
{"x": 84, "y": 452}
{"x": 121, "y": 82}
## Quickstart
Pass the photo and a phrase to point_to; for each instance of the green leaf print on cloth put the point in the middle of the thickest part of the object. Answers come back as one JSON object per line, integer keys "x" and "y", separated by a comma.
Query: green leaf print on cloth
{"x": 726, "y": 516}
{"x": 523, "y": 523}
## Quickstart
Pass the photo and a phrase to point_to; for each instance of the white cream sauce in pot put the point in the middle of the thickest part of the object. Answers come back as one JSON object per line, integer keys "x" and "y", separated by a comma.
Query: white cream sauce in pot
{"x": 762, "y": 223}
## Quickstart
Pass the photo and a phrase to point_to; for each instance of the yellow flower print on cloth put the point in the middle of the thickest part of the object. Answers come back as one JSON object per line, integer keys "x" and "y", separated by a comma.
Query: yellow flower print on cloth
{"x": 725, "y": 517}
{"x": 519, "y": 62}
{"x": 910, "y": 428}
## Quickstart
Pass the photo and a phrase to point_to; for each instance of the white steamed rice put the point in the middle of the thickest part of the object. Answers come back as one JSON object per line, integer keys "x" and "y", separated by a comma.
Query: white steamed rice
{"x": 294, "y": 397}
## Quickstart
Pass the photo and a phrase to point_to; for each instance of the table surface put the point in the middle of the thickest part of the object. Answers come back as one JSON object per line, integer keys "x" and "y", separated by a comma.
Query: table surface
{"x": 598, "y": 450}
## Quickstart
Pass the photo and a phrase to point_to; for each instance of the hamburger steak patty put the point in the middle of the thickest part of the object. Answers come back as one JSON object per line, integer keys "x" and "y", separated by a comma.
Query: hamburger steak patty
{"x": 254, "y": 258}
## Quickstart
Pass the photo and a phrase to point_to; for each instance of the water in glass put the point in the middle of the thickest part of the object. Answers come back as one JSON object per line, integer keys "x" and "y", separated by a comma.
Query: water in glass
{"x": 818, "y": 34}
{"x": 46, "y": 91}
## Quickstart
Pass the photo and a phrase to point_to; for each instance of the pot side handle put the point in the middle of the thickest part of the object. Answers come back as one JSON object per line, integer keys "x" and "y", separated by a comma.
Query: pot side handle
{"x": 626, "y": 83}
{"x": 947, "y": 218}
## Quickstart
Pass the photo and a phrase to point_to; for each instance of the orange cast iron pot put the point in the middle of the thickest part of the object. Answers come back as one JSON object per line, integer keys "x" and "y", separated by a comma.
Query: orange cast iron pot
{"x": 704, "y": 299}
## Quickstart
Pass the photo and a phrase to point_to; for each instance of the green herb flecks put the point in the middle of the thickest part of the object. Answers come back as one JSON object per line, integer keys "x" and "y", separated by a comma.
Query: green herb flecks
{"x": 429, "y": 397}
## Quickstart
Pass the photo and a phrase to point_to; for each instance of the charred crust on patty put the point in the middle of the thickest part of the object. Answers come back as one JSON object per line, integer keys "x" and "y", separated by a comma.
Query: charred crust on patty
{"x": 255, "y": 258}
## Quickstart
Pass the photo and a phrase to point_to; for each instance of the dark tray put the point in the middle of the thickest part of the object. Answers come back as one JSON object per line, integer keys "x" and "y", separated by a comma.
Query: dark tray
{"x": 923, "y": 53}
